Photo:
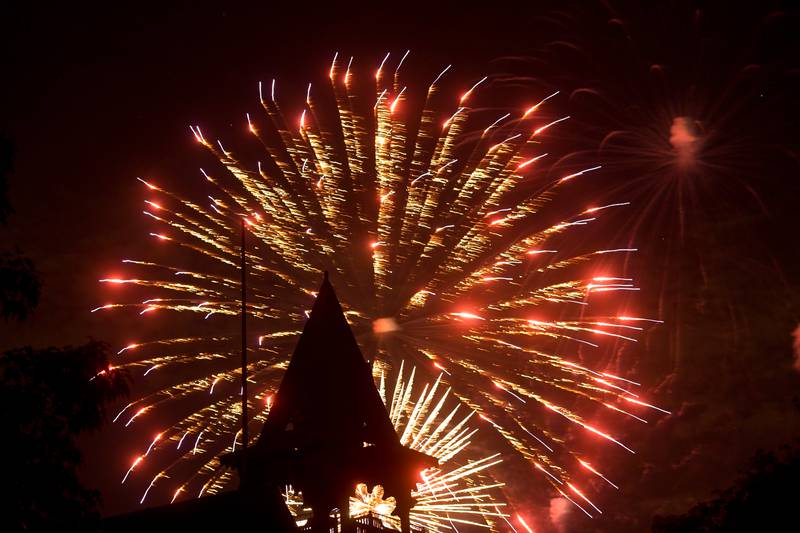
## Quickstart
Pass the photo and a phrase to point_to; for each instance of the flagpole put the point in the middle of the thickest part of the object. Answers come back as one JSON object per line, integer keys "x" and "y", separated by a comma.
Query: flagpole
{"x": 244, "y": 336}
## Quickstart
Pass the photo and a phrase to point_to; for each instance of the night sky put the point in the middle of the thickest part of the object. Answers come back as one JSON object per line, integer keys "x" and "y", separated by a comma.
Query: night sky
{"x": 97, "y": 96}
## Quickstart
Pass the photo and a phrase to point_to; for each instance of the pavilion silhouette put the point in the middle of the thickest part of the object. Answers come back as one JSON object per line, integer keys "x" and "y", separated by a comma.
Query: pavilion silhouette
{"x": 327, "y": 431}
{"x": 328, "y": 428}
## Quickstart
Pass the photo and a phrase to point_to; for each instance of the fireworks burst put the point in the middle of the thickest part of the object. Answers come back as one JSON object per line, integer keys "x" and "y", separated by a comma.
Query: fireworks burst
{"x": 457, "y": 492}
{"x": 674, "y": 119}
{"x": 435, "y": 228}
{"x": 674, "y": 101}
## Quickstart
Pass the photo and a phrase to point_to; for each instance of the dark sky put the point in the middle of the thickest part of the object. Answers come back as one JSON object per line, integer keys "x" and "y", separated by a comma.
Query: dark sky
{"x": 95, "y": 96}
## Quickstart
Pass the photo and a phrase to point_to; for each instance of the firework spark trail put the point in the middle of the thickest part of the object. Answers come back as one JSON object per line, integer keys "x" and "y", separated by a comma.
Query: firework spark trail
{"x": 460, "y": 490}
{"x": 438, "y": 253}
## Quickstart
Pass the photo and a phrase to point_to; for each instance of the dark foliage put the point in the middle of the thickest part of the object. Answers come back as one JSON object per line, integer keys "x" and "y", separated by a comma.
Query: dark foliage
{"x": 19, "y": 286}
{"x": 19, "y": 282}
{"x": 48, "y": 397}
{"x": 761, "y": 500}
{"x": 6, "y": 166}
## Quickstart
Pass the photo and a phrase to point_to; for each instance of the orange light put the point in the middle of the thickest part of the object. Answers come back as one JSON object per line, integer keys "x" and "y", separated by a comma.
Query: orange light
{"x": 396, "y": 100}
{"x": 536, "y": 252}
{"x": 149, "y": 185}
{"x": 333, "y": 65}
{"x": 524, "y": 524}
{"x": 471, "y": 316}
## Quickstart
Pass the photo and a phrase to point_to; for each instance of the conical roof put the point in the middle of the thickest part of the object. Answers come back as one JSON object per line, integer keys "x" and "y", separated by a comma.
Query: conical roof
{"x": 328, "y": 428}
{"x": 327, "y": 394}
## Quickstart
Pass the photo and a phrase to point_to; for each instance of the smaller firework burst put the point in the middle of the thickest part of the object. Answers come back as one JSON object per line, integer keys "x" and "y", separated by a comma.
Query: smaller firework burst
{"x": 459, "y": 491}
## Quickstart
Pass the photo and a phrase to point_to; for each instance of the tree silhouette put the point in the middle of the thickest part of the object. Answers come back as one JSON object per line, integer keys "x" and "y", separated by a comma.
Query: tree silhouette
{"x": 19, "y": 286}
{"x": 761, "y": 500}
{"x": 6, "y": 166}
{"x": 49, "y": 397}
{"x": 19, "y": 283}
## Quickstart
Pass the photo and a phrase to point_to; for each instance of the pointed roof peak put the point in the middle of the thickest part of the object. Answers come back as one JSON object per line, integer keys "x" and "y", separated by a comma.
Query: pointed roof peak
{"x": 328, "y": 387}
{"x": 327, "y": 306}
